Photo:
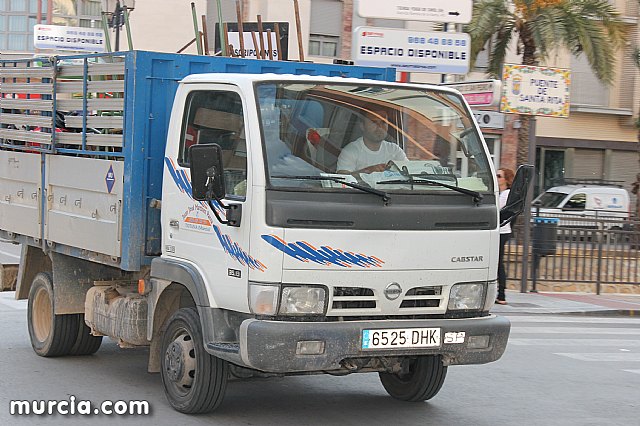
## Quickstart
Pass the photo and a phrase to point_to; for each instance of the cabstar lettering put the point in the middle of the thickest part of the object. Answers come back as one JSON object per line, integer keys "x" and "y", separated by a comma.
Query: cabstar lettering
{"x": 467, "y": 259}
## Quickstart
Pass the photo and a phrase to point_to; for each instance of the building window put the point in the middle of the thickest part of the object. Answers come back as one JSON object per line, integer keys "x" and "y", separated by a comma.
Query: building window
{"x": 586, "y": 89}
{"x": 18, "y": 5}
{"x": 322, "y": 45}
{"x": 325, "y": 28}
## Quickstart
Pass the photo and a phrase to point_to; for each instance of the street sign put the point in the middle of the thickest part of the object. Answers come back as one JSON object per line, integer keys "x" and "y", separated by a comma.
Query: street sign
{"x": 412, "y": 51}
{"x": 481, "y": 93}
{"x": 251, "y": 51}
{"x": 77, "y": 39}
{"x": 533, "y": 90}
{"x": 489, "y": 119}
{"x": 452, "y": 11}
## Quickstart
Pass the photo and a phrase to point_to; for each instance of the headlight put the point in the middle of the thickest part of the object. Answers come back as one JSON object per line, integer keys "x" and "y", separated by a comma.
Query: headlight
{"x": 492, "y": 292}
{"x": 263, "y": 299}
{"x": 302, "y": 300}
{"x": 467, "y": 296}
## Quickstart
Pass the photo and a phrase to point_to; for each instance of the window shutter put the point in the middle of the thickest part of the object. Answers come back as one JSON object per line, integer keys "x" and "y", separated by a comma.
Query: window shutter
{"x": 326, "y": 17}
{"x": 588, "y": 164}
{"x": 586, "y": 89}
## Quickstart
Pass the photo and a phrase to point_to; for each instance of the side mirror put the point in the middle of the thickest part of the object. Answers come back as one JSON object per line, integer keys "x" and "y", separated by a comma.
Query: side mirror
{"x": 517, "y": 194}
{"x": 207, "y": 177}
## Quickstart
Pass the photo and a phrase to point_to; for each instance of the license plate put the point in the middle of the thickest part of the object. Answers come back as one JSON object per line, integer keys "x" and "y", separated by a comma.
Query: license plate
{"x": 397, "y": 338}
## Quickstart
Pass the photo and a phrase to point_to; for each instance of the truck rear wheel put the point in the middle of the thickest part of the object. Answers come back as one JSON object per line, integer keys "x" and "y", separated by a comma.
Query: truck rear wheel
{"x": 194, "y": 381}
{"x": 86, "y": 343}
{"x": 51, "y": 335}
{"x": 421, "y": 381}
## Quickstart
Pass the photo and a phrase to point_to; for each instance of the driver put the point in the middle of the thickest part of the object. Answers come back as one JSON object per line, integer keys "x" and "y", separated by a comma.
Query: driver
{"x": 371, "y": 152}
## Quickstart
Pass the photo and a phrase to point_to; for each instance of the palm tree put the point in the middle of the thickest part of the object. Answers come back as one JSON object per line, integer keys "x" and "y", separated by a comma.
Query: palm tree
{"x": 589, "y": 27}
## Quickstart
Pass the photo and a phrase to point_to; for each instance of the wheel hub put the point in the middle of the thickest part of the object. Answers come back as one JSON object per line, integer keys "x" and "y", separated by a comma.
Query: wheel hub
{"x": 180, "y": 361}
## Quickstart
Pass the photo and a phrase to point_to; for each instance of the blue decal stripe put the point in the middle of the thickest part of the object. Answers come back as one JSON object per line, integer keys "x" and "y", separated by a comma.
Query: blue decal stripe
{"x": 305, "y": 252}
{"x": 236, "y": 252}
{"x": 230, "y": 247}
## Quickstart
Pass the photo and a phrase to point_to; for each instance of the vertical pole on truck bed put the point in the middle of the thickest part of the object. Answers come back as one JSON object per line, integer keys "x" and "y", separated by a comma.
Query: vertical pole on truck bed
{"x": 269, "y": 45}
{"x": 255, "y": 44}
{"x": 128, "y": 28}
{"x": 49, "y": 12}
{"x": 298, "y": 30}
{"x": 228, "y": 51}
{"x": 223, "y": 45}
{"x": 196, "y": 29}
{"x": 278, "y": 45}
{"x": 240, "y": 28}
{"x": 105, "y": 27}
{"x": 261, "y": 35}
{"x": 205, "y": 35}
{"x": 85, "y": 77}
{"x": 54, "y": 67}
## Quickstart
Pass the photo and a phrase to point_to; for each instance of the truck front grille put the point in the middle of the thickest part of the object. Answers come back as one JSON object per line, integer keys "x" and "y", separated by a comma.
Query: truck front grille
{"x": 349, "y": 301}
{"x": 422, "y": 297}
{"x": 346, "y": 298}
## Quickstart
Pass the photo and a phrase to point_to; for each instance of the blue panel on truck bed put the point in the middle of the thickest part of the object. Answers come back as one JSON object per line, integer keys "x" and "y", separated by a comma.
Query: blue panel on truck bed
{"x": 132, "y": 91}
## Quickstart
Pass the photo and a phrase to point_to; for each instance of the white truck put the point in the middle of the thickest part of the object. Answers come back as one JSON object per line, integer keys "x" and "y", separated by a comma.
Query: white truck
{"x": 193, "y": 205}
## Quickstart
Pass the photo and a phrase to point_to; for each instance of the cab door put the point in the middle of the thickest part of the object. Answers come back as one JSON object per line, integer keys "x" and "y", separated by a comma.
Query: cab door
{"x": 212, "y": 114}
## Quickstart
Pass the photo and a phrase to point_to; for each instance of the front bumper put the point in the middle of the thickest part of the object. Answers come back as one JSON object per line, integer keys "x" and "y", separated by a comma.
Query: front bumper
{"x": 270, "y": 346}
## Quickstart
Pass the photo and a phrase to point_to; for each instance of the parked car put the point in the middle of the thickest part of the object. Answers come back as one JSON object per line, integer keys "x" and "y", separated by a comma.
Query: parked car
{"x": 574, "y": 205}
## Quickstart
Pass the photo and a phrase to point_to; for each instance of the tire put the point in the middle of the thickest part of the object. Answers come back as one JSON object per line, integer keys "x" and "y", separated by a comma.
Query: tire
{"x": 194, "y": 381}
{"x": 85, "y": 343}
{"x": 51, "y": 335}
{"x": 422, "y": 381}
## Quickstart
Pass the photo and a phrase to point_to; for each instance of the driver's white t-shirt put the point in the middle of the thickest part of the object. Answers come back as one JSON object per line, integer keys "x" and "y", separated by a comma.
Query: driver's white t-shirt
{"x": 357, "y": 156}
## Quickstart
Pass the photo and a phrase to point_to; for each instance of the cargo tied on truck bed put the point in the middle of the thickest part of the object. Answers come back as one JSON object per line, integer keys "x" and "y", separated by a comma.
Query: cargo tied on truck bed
{"x": 251, "y": 218}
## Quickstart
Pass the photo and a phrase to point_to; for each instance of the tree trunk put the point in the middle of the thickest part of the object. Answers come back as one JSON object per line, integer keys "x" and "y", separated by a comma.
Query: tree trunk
{"x": 528, "y": 58}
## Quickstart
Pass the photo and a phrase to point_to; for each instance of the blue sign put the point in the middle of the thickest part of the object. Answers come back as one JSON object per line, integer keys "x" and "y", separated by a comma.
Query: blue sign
{"x": 110, "y": 179}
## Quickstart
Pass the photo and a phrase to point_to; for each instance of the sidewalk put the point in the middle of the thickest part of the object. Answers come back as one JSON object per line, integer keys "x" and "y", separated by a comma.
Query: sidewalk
{"x": 569, "y": 303}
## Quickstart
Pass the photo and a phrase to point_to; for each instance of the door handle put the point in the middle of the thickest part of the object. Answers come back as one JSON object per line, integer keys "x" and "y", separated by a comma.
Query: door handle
{"x": 174, "y": 223}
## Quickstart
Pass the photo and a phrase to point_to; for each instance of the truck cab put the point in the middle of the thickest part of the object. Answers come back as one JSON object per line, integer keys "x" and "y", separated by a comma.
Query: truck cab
{"x": 309, "y": 269}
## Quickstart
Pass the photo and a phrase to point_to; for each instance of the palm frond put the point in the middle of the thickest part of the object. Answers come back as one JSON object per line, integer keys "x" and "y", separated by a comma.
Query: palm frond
{"x": 592, "y": 28}
{"x": 489, "y": 16}
{"x": 499, "y": 51}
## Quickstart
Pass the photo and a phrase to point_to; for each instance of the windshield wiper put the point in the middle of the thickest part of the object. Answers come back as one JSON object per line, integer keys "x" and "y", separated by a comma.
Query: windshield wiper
{"x": 477, "y": 197}
{"x": 385, "y": 197}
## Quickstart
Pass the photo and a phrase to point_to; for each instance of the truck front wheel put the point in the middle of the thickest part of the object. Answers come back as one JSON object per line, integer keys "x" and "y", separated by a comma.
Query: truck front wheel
{"x": 51, "y": 335}
{"x": 193, "y": 380}
{"x": 420, "y": 380}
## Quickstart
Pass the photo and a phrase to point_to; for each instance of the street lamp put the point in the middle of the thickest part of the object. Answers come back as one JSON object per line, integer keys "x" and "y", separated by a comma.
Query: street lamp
{"x": 117, "y": 17}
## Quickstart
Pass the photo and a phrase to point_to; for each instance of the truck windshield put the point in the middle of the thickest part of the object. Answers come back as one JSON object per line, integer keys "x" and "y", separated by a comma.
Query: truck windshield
{"x": 383, "y": 137}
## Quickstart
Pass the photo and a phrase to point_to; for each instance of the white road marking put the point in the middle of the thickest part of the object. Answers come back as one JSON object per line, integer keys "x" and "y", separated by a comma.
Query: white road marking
{"x": 618, "y": 343}
{"x": 564, "y": 319}
{"x": 604, "y": 357}
{"x": 576, "y": 331}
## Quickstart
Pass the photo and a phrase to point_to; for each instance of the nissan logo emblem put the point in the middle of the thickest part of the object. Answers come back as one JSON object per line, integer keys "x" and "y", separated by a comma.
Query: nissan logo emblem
{"x": 393, "y": 291}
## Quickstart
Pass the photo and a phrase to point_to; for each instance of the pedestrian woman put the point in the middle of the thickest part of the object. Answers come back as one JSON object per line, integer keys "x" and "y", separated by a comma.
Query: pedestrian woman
{"x": 505, "y": 179}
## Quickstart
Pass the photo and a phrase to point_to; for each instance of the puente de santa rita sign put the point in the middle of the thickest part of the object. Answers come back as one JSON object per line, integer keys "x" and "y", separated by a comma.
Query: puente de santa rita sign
{"x": 540, "y": 91}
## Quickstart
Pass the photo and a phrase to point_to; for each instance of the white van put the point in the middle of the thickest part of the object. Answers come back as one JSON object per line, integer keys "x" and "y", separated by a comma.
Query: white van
{"x": 584, "y": 201}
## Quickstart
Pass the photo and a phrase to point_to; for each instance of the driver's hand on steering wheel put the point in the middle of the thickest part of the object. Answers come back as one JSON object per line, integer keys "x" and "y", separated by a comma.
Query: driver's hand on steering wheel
{"x": 375, "y": 168}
